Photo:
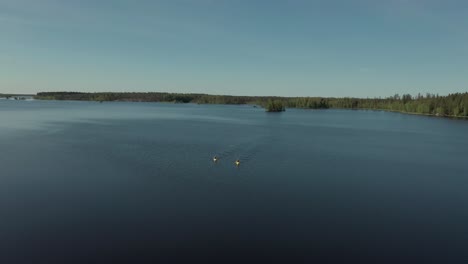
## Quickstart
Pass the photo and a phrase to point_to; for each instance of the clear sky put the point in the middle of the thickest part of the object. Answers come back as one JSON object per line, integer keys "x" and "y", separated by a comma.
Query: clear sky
{"x": 362, "y": 48}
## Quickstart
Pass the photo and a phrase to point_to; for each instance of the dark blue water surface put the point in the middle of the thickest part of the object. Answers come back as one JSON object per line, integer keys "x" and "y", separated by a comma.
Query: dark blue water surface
{"x": 134, "y": 182}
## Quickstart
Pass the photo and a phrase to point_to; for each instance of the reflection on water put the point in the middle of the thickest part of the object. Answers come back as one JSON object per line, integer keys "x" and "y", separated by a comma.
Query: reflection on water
{"x": 138, "y": 180}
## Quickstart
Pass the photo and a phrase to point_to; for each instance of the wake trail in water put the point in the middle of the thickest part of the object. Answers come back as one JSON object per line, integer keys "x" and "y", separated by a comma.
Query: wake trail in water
{"x": 229, "y": 151}
{"x": 247, "y": 151}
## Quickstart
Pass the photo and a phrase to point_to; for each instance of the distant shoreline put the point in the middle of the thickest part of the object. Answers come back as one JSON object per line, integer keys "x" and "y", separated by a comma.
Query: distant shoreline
{"x": 17, "y": 96}
{"x": 450, "y": 106}
{"x": 407, "y": 113}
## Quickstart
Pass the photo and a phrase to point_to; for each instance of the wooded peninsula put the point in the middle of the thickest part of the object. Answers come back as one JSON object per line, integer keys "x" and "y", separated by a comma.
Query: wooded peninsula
{"x": 452, "y": 105}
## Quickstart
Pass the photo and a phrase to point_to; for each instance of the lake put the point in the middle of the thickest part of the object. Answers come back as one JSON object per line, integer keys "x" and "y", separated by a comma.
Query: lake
{"x": 107, "y": 182}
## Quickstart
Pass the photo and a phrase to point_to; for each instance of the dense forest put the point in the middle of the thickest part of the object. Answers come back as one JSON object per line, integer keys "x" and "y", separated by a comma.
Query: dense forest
{"x": 275, "y": 106}
{"x": 454, "y": 105}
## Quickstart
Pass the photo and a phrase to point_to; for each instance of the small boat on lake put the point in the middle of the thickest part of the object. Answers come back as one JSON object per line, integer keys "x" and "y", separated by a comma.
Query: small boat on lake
{"x": 237, "y": 162}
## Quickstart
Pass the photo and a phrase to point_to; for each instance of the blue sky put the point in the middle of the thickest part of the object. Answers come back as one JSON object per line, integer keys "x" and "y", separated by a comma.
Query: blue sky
{"x": 363, "y": 48}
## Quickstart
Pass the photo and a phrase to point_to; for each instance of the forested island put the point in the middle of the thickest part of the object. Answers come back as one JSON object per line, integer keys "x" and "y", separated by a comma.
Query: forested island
{"x": 452, "y": 105}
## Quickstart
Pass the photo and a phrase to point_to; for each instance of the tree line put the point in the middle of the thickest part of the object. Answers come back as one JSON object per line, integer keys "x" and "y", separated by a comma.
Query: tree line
{"x": 275, "y": 106}
{"x": 455, "y": 105}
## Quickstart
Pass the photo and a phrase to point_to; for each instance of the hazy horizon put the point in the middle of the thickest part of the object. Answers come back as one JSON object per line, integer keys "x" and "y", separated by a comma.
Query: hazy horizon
{"x": 359, "y": 48}
{"x": 239, "y": 95}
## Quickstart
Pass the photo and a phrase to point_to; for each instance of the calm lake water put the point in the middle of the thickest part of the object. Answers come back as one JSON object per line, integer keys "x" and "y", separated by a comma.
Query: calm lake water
{"x": 85, "y": 182}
